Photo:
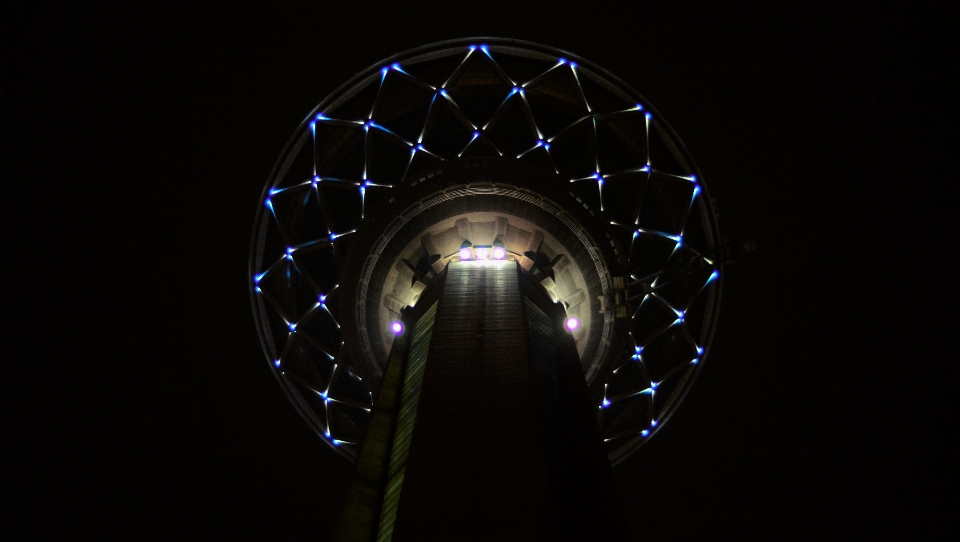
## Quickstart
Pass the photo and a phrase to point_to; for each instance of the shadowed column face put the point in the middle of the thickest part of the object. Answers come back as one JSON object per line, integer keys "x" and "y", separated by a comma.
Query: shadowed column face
{"x": 477, "y": 465}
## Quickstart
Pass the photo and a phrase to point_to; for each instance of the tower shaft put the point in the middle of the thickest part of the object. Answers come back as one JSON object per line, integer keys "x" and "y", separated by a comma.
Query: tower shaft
{"x": 494, "y": 436}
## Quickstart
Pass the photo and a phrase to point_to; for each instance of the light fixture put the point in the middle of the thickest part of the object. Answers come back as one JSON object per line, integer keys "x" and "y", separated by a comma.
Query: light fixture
{"x": 396, "y": 327}
{"x": 571, "y": 324}
{"x": 499, "y": 252}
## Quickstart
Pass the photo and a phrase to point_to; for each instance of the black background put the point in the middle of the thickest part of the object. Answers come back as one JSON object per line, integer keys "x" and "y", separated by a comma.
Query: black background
{"x": 136, "y": 142}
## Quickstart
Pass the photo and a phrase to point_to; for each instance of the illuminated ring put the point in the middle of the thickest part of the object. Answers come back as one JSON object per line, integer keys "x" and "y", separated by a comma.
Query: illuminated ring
{"x": 635, "y": 194}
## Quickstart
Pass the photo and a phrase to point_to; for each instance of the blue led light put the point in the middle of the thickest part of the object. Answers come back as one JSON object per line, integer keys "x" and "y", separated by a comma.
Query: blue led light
{"x": 256, "y": 278}
{"x": 476, "y": 135}
{"x": 713, "y": 276}
{"x": 562, "y": 60}
{"x": 443, "y": 93}
{"x": 290, "y": 250}
{"x": 573, "y": 65}
{"x": 258, "y": 290}
{"x": 324, "y": 395}
{"x": 696, "y": 191}
{"x": 313, "y": 127}
{"x": 653, "y": 423}
{"x": 333, "y": 236}
{"x": 395, "y": 66}
{"x": 276, "y": 363}
{"x": 321, "y": 117}
{"x": 472, "y": 47}
{"x": 605, "y": 403}
{"x": 648, "y": 115}
{"x": 485, "y": 48}
{"x": 645, "y": 432}
{"x": 700, "y": 350}
{"x": 322, "y": 299}
{"x": 292, "y": 326}
{"x": 274, "y": 191}
{"x": 653, "y": 385}
{"x": 639, "y": 107}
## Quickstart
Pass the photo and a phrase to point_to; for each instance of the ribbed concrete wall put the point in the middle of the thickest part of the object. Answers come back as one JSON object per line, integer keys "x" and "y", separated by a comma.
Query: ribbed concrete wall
{"x": 476, "y": 468}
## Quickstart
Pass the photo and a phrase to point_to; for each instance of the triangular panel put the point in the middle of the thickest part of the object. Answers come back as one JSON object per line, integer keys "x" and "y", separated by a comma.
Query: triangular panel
{"x": 387, "y": 158}
{"x": 556, "y": 100}
{"x": 621, "y": 141}
{"x": 479, "y": 87}
{"x": 573, "y": 151}
{"x": 512, "y": 129}
{"x": 621, "y": 197}
{"x": 402, "y": 105}
{"x": 447, "y": 132}
{"x": 666, "y": 203}
{"x": 339, "y": 150}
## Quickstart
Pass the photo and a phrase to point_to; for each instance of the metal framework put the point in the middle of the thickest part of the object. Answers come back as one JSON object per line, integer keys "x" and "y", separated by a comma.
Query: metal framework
{"x": 609, "y": 152}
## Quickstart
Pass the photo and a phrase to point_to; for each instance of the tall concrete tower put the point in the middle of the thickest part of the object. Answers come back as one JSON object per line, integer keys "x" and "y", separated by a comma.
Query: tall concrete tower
{"x": 485, "y": 270}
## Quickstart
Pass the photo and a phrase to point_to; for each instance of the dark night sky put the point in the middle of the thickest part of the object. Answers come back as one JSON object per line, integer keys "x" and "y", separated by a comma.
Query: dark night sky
{"x": 136, "y": 141}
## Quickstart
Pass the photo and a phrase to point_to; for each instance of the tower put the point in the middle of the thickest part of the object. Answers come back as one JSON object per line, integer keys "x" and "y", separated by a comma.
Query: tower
{"x": 597, "y": 212}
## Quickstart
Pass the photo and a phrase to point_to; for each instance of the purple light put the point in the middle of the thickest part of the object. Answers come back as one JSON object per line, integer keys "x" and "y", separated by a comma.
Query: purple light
{"x": 396, "y": 327}
{"x": 499, "y": 253}
{"x": 465, "y": 254}
{"x": 482, "y": 253}
{"x": 572, "y": 323}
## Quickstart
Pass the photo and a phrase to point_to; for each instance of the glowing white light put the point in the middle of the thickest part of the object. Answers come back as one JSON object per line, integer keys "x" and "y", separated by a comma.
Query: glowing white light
{"x": 465, "y": 254}
{"x": 572, "y": 323}
{"x": 482, "y": 253}
{"x": 499, "y": 253}
{"x": 396, "y": 327}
